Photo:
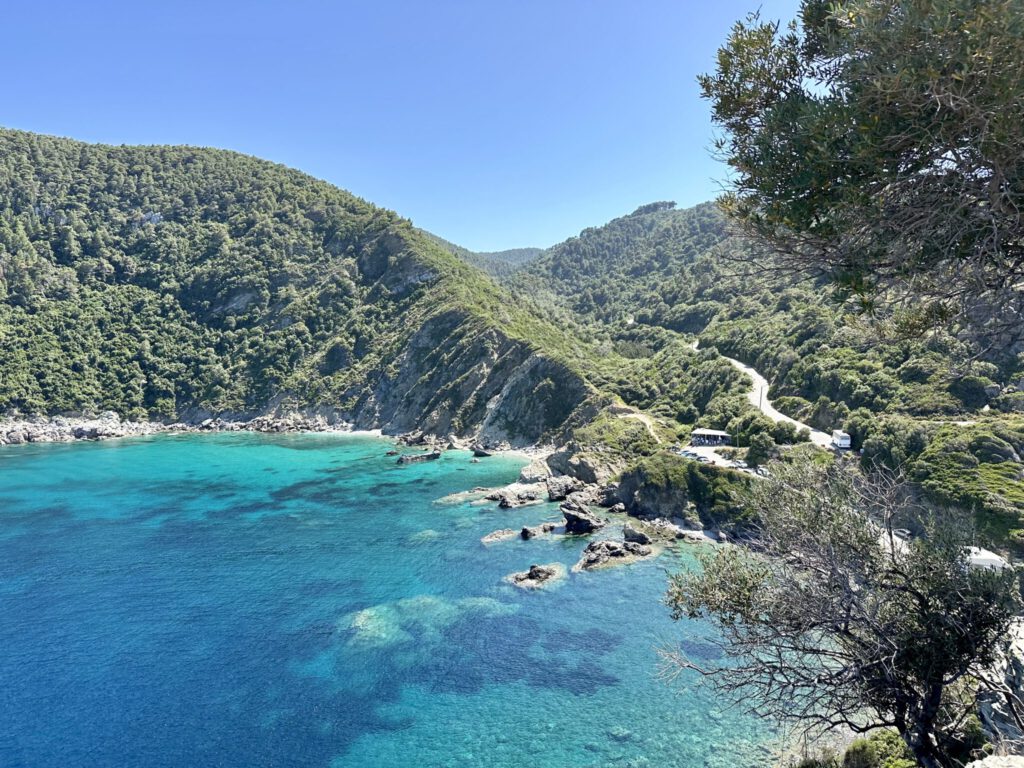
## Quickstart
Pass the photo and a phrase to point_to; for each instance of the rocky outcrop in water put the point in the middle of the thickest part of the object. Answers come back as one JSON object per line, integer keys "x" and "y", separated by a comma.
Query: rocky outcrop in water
{"x": 537, "y": 576}
{"x": 635, "y": 534}
{"x": 517, "y": 495}
{"x": 580, "y": 520}
{"x": 599, "y": 554}
{"x": 530, "y": 532}
{"x": 416, "y": 458}
{"x": 500, "y": 535}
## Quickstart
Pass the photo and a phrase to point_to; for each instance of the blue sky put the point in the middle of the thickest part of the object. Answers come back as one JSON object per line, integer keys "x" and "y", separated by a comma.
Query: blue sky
{"x": 495, "y": 125}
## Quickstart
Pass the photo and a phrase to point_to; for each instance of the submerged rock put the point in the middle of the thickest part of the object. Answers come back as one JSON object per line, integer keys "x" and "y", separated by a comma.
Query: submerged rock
{"x": 499, "y": 535}
{"x": 415, "y": 458}
{"x": 537, "y": 576}
{"x": 603, "y": 553}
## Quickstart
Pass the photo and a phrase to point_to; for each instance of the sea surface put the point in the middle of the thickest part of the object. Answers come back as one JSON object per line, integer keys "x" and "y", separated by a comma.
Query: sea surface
{"x": 300, "y": 600}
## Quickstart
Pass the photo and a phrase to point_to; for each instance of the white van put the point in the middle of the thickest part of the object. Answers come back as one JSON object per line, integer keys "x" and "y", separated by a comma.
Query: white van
{"x": 840, "y": 439}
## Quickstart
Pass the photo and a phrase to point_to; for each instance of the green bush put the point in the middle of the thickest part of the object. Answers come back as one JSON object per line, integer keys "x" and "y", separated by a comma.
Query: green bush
{"x": 882, "y": 749}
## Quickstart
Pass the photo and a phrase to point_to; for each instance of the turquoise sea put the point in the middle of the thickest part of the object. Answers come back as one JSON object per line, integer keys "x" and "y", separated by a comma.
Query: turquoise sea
{"x": 301, "y": 600}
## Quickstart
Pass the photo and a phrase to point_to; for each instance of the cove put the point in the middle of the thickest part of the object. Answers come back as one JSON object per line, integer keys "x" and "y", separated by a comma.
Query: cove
{"x": 300, "y": 600}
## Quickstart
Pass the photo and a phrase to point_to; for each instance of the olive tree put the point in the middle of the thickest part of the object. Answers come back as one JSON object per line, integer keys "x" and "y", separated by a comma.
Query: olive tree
{"x": 830, "y": 620}
{"x": 878, "y": 143}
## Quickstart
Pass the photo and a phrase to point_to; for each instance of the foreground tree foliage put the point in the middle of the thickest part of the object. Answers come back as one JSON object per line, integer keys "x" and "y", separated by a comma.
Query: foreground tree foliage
{"x": 830, "y": 620}
{"x": 878, "y": 142}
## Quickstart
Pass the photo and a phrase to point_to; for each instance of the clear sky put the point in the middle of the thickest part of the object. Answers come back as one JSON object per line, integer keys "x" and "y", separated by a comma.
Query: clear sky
{"x": 493, "y": 124}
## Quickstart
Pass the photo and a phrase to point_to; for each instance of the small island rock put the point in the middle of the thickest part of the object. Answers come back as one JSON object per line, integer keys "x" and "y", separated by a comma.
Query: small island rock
{"x": 537, "y": 576}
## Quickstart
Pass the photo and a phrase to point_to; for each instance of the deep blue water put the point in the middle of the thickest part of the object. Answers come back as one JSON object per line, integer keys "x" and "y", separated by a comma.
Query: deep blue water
{"x": 255, "y": 600}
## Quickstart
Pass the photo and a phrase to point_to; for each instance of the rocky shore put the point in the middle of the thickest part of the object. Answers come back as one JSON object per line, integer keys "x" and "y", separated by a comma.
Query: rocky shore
{"x": 15, "y": 430}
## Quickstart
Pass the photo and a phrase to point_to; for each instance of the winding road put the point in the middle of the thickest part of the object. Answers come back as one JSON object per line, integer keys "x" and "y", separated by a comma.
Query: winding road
{"x": 758, "y": 396}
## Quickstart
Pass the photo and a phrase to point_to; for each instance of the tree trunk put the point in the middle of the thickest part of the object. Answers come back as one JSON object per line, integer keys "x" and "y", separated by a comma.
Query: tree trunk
{"x": 920, "y": 736}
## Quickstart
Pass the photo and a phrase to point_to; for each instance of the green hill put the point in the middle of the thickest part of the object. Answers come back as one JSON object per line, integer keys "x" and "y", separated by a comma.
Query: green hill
{"x": 660, "y": 277}
{"x": 178, "y": 282}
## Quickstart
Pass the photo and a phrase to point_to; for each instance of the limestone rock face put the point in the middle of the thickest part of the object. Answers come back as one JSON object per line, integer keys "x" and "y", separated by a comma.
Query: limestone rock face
{"x": 537, "y": 471}
{"x": 648, "y": 500}
{"x": 998, "y": 762}
{"x": 480, "y": 385}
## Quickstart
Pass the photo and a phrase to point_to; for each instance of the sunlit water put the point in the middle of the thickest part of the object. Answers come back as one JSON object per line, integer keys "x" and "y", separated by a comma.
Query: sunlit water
{"x": 255, "y": 600}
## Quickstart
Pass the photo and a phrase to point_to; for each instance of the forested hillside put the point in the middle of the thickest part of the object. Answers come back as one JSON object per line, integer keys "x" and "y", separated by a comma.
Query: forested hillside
{"x": 175, "y": 282}
{"x": 660, "y": 277}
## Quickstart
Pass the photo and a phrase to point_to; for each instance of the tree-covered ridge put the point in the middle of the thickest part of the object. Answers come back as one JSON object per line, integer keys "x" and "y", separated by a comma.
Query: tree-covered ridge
{"x": 648, "y": 283}
{"x": 173, "y": 282}
{"x": 494, "y": 263}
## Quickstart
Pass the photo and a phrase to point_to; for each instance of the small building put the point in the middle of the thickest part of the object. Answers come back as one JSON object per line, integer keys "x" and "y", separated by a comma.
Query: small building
{"x": 983, "y": 559}
{"x": 840, "y": 439}
{"x": 709, "y": 437}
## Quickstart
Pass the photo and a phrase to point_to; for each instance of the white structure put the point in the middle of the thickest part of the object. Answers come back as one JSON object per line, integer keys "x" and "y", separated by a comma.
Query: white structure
{"x": 840, "y": 439}
{"x": 709, "y": 437}
{"x": 979, "y": 558}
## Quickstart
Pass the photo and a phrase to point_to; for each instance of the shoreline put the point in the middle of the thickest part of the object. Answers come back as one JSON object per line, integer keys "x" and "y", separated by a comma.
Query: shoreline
{"x": 25, "y": 430}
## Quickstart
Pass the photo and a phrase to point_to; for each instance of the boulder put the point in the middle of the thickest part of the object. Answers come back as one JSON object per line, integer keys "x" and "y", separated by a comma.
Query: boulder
{"x": 560, "y": 486}
{"x": 994, "y": 761}
{"x": 603, "y": 553}
{"x": 608, "y": 495}
{"x": 537, "y": 471}
{"x": 537, "y": 576}
{"x": 480, "y": 452}
{"x": 16, "y": 437}
{"x": 632, "y": 532}
{"x": 580, "y": 520}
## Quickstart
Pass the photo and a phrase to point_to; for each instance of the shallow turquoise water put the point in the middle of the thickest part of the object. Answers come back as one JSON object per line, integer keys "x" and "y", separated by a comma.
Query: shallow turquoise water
{"x": 257, "y": 600}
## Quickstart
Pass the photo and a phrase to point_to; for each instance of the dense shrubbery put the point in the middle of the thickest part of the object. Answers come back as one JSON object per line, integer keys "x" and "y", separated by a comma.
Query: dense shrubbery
{"x": 171, "y": 282}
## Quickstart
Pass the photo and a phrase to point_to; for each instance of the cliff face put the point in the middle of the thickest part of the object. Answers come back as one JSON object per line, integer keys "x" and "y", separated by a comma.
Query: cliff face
{"x": 176, "y": 283}
{"x": 459, "y": 377}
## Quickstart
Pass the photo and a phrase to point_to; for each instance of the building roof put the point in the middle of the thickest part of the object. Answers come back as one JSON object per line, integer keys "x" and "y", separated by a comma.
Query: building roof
{"x": 983, "y": 558}
{"x": 710, "y": 433}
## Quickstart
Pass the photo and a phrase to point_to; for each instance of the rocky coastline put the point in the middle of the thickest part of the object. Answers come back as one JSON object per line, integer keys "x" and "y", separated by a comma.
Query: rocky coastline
{"x": 16, "y": 429}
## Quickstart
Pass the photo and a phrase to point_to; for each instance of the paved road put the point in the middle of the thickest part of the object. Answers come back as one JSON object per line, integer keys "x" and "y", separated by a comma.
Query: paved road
{"x": 758, "y": 396}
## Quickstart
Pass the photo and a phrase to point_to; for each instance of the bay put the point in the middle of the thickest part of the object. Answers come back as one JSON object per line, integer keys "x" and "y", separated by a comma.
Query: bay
{"x": 301, "y": 600}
